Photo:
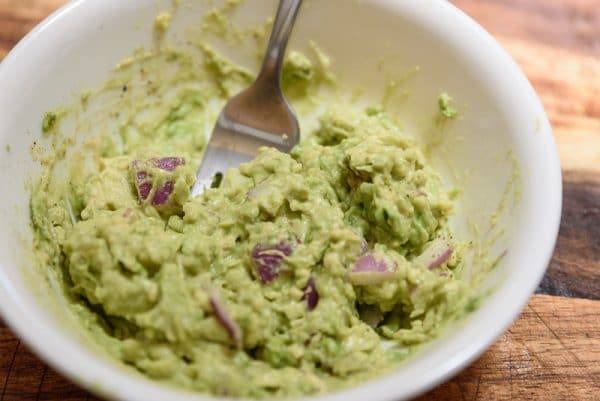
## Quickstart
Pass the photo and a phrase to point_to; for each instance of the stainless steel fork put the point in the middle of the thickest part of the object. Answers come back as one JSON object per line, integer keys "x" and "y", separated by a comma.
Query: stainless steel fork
{"x": 258, "y": 116}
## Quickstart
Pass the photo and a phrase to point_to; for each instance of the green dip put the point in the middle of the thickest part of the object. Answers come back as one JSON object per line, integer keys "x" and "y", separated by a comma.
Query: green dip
{"x": 300, "y": 274}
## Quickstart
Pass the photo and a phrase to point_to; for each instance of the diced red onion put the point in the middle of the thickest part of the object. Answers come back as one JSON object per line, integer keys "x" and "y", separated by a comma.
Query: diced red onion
{"x": 267, "y": 259}
{"x": 168, "y": 163}
{"x": 368, "y": 263}
{"x": 162, "y": 194}
{"x": 310, "y": 294}
{"x": 444, "y": 256}
{"x": 438, "y": 252}
{"x": 230, "y": 326}
{"x": 142, "y": 186}
{"x": 144, "y": 183}
{"x": 144, "y": 190}
{"x": 368, "y": 270}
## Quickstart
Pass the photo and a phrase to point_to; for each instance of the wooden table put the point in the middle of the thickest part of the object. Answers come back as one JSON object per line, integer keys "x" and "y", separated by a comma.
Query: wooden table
{"x": 553, "y": 351}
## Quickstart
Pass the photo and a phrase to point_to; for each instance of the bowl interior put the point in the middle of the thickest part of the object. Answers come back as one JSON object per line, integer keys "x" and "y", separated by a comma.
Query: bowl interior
{"x": 499, "y": 153}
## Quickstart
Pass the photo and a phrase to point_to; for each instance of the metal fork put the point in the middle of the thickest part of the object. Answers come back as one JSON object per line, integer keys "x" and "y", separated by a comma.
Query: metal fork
{"x": 259, "y": 115}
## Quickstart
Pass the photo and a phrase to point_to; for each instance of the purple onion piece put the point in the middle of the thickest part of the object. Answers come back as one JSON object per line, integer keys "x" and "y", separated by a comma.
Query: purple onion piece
{"x": 368, "y": 270}
{"x": 311, "y": 294}
{"x": 267, "y": 259}
{"x": 162, "y": 194}
{"x": 443, "y": 257}
{"x": 437, "y": 252}
{"x": 368, "y": 263}
{"x": 168, "y": 163}
{"x": 143, "y": 190}
{"x": 230, "y": 326}
{"x": 142, "y": 185}
{"x": 144, "y": 182}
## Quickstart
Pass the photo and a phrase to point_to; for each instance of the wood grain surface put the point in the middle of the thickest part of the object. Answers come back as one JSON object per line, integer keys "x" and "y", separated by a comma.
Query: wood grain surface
{"x": 553, "y": 351}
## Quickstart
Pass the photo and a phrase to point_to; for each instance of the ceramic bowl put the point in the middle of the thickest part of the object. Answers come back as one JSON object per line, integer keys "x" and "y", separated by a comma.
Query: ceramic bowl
{"x": 500, "y": 152}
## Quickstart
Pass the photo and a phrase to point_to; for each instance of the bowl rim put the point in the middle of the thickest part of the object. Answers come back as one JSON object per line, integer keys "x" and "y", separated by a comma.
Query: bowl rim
{"x": 86, "y": 369}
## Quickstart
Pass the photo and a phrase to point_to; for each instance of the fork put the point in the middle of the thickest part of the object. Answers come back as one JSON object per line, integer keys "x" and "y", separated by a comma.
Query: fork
{"x": 258, "y": 116}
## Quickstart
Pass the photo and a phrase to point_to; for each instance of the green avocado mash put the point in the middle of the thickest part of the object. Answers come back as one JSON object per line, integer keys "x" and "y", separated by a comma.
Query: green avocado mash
{"x": 300, "y": 274}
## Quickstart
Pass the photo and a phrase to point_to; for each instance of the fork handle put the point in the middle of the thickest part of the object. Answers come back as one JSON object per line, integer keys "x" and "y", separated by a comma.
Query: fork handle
{"x": 282, "y": 27}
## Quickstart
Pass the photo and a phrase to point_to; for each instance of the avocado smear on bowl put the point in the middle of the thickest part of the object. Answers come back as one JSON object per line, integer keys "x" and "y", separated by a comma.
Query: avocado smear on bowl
{"x": 299, "y": 274}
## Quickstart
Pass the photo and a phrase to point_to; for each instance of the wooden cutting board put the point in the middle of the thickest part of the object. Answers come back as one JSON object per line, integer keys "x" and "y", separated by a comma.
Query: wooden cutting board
{"x": 553, "y": 351}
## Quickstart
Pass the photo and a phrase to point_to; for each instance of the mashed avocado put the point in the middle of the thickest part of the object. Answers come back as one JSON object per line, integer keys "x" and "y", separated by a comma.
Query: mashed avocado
{"x": 300, "y": 274}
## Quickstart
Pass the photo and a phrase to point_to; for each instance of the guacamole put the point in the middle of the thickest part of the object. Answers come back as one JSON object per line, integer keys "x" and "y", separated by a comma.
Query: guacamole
{"x": 299, "y": 274}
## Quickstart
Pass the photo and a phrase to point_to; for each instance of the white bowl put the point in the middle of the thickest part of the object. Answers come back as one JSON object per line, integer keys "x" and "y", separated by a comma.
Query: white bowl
{"x": 76, "y": 47}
